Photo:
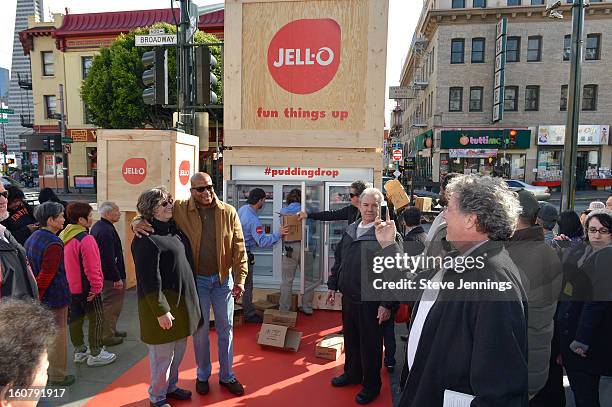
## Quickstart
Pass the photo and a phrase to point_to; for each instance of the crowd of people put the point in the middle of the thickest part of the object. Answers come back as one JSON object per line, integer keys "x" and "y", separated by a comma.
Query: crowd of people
{"x": 485, "y": 347}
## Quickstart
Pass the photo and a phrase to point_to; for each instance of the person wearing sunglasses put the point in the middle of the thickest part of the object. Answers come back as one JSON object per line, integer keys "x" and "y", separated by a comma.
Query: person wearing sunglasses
{"x": 220, "y": 266}
{"x": 21, "y": 220}
{"x": 349, "y": 212}
{"x": 16, "y": 279}
{"x": 585, "y": 313}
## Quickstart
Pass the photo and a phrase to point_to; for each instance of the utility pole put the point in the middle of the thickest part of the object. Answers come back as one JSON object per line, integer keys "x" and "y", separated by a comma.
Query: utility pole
{"x": 568, "y": 180}
{"x": 62, "y": 124}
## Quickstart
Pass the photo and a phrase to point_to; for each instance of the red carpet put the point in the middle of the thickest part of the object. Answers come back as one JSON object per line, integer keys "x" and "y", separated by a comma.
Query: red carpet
{"x": 271, "y": 377}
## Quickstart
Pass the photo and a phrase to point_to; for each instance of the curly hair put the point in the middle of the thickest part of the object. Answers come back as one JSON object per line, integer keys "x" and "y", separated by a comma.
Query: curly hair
{"x": 496, "y": 207}
{"x": 28, "y": 330}
{"x": 149, "y": 199}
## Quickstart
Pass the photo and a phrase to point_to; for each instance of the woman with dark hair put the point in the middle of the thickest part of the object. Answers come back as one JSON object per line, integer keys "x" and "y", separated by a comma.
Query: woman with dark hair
{"x": 21, "y": 222}
{"x": 85, "y": 279}
{"x": 45, "y": 252}
{"x": 168, "y": 302}
{"x": 47, "y": 194}
{"x": 570, "y": 226}
{"x": 585, "y": 313}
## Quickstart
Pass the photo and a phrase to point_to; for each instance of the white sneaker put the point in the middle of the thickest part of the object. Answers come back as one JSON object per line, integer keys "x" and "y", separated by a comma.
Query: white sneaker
{"x": 102, "y": 359}
{"x": 81, "y": 357}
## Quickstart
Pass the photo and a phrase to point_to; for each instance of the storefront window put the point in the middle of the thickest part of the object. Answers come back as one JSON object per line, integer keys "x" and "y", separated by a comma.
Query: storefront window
{"x": 509, "y": 166}
{"x": 549, "y": 165}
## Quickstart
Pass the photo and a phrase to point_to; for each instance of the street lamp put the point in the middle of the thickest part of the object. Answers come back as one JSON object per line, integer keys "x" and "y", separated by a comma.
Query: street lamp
{"x": 568, "y": 179}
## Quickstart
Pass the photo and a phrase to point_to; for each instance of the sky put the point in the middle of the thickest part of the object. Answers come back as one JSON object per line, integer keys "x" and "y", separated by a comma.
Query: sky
{"x": 403, "y": 17}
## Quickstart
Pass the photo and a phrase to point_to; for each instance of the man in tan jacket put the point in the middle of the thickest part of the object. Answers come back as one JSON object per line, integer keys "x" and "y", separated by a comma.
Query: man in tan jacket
{"x": 220, "y": 261}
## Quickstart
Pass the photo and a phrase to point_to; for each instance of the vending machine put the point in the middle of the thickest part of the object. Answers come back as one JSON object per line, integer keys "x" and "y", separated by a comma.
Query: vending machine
{"x": 319, "y": 239}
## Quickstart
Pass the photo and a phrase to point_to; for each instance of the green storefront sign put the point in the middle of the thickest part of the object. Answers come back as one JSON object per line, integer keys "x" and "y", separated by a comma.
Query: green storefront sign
{"x": 505, "y": 139}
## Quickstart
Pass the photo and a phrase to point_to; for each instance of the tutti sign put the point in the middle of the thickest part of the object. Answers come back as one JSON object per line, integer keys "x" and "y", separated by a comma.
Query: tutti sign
{"x": 304, "y": 55}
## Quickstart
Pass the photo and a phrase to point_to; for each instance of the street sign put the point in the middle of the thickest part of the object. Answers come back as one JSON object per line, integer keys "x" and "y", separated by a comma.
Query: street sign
{"x": 397, "y": 155}
{"x": 155, "y": 40}
{"x": 3, "y": 120}
{"x": 7, "y": 111}
{"x": 156, "y": 31}
{"x": 67, "y": 140}
{"x": 400, "y": 92}
{"x": 67, "y": 149}
{"x": 397, "y": 173}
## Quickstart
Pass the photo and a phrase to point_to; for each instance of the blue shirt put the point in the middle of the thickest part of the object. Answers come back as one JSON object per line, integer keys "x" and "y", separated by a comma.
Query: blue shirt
{"x": 254, "y": 232}
{"x": 291, "y": 209}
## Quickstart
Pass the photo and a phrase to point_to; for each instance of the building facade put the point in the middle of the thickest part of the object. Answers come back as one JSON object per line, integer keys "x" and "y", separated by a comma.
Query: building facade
{"x": 451, "y": 69}
{"x": 61, "y": 52}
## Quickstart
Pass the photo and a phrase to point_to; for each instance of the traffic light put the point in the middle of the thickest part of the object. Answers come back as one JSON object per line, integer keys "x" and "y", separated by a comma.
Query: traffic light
{"x": 206, "y": 79}
{"x": 155, "y": 77}
{"x": 4, "y": 148}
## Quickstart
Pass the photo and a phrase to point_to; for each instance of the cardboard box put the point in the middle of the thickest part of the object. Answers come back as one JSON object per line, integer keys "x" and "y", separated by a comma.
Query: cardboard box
{"x": 277, "y": 317}
{"x": 330, "y": 347}
{"x": 320, "y": 298}
{"x": 424, "y": 204}
{"x": 295, "y": 228}
{"x": 279, "y": 336}
{"x": 274, "y": 298}
{"x": 261, "y": 306}
{"x": 396, "y": 194}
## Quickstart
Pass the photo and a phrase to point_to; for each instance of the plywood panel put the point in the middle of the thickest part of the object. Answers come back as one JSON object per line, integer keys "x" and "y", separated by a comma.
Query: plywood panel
{"x": 345, "y": 95}
{"x": 304, "y": 138}
{"x": 232, "y": 68}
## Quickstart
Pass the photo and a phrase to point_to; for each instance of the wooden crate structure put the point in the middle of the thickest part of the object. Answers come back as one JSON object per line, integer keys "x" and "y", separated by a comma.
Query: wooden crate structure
{"x": 304, "y": 83}
{"x": 132, "y": 161}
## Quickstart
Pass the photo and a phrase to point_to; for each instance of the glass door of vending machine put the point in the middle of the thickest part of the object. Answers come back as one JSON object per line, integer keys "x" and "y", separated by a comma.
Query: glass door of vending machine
{"x": 337, "y": 197}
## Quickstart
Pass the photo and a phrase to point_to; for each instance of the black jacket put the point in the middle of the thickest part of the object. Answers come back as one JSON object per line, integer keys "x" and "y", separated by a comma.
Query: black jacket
{"x": 353, "y": 265}
{"x": 582, "y": 319}
{"x": 348, "y": 212}
{"x": 18, "y": 221}
{"x": 111, "y": 252}
{"x": 16, "y": 277}
{"x": 414, "y": 241}
{"x": 165, "y": 283}
{"x": 473, "y": 342}
{"x": 541, "y": 275}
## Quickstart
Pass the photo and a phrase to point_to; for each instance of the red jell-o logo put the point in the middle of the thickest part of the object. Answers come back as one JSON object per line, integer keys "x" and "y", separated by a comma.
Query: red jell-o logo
{"x": 304, "y": 55}
{"x": 134, "y": 170}
{"x": 184, "y": 172}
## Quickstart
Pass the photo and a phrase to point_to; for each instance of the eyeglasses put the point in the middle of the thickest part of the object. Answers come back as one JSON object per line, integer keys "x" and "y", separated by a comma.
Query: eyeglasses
{"x": 163, "y": 204}
{"x": 4, "y": 194}
{"x": 352, "y": 195}
{"x": 602, "y": 231}
{"x": 208, "y": 188}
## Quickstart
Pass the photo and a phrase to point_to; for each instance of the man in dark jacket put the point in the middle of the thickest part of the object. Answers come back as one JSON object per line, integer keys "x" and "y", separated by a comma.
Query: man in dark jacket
{"x": 541, "y": 275}
{"x": 349, "y": 212}
{"x": 362, "y": 318}
{"x": 113, "y": 268}
{"x": 471, "y": 338}
{"x": 16, "y": 278}
{"x": 415, "y": 237}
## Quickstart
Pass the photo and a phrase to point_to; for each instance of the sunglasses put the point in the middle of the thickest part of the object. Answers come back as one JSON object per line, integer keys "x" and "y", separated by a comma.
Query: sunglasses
{"x": 163, "y": 204}
{"x": 352, "y": 195}
{"x": 208, "y": 188}
{"x": 4, "y": 194}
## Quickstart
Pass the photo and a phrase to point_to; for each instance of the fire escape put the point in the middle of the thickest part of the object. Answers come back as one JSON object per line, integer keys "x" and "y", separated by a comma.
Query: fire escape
{"x": 420, "y": 80}
{"x": 25, "y": 83}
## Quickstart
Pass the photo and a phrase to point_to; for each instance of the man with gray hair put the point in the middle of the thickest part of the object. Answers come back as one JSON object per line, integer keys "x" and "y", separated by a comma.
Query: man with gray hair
{"x": 473, "y": 326}
{"x": 113, "y": 268}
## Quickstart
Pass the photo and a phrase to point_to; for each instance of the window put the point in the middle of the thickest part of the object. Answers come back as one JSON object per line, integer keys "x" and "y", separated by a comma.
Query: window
{"x": 478, "y": 50}
{"x": 589, "y": 97}
{"x": 513, "y": 49}
{"x": 563, "y": 104}
{"x": 455, "y": 100}
{"x": 458, "y": 3}
{"x": 86, "y": 65}
{"x": 457, "y": 49}
{"x": 532, "y": 98}
{"x": 514, "y": 2}
{"x": 537, "y": 2}
{"x": 480, "y": 3}
{"x": 50, "y": 106}
{"x": 476, "y": 99}
{"x": 48, "y": 66}
{"x": 87, "y": 119}
{"x": 510, "y": 99}
{"x": 567, "y": 47}
{"x": 534, "y": 49}
{"x": 592, "y": 47}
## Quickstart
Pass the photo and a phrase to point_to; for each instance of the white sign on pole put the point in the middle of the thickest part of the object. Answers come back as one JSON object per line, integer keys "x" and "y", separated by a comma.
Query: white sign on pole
{"x": 400, "y": 92}
{"x": 154, "y": 40}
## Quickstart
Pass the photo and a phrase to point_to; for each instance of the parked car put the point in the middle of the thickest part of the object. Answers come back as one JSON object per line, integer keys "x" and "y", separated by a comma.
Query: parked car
{"x": 540, "y": 193}
{"x": 31, "y": 194}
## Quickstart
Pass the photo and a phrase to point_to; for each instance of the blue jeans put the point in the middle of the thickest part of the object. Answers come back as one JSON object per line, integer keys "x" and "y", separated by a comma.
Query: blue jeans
{"x": 212, "y": 292}
{"x": 165, "y": 360}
